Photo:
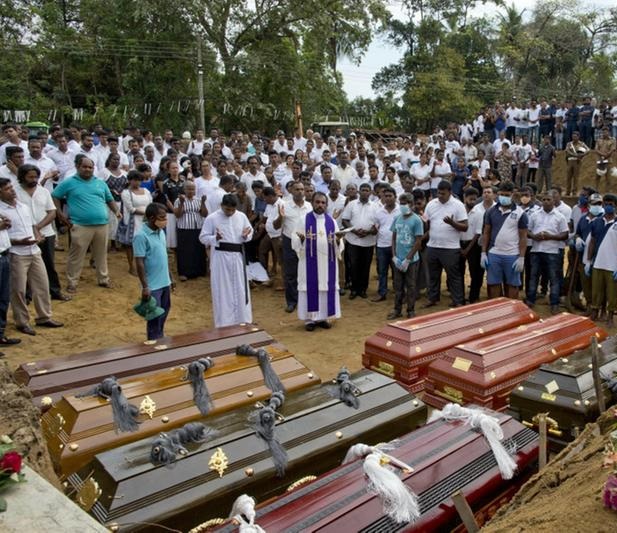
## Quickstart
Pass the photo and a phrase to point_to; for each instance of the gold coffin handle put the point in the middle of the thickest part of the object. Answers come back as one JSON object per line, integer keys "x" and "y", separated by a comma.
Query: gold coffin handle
{"x": 300, "y": 482}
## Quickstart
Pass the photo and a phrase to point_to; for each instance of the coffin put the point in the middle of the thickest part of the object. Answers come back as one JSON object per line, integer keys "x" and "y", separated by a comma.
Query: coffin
{"x": 78, "y": 428}
{"x": 53, "y": 378}
{"x": 317, "y": 432}
{"x": 404, "y": 349}
{"x": 485, "y": 371}
{"x": 564, "y": 389}
{"x": 446, "y": 457}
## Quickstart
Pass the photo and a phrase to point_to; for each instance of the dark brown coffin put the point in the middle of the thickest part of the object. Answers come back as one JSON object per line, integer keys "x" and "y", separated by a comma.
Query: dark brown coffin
{"x": 485, "y": 371}
{"x": 55, "y": 377}
{"x": 317, "y": 432}
{"x": 404, "y": 349}
{"x": 446, "y": 457}
{"x": 564, "y": 389}
{"x": 78, "y": 428}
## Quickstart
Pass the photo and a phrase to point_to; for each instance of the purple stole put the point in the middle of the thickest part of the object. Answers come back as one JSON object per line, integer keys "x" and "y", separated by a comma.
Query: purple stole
{"x": 312, "y": 282}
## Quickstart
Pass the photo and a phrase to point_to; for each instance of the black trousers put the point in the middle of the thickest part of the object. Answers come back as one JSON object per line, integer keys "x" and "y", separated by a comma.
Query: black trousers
{"x": 447, "y": 259}
{"x": 476, "y": 272}
{"x": 290, "y": 272}
{"x": 48, "y": 254}
{"x": 360, "y": 258}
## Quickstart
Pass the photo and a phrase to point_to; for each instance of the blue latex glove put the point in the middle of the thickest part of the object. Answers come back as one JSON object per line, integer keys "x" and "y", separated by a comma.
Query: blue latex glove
{"x": 588, "y": 270}
{"x": 484, "y": 261}
{"x": 519, "y": 265}
{"x": 404, "y": 265}
{"x": 396, "y": 262}
{"x": 580, "y": 244}
{"x": 615, "y": 275}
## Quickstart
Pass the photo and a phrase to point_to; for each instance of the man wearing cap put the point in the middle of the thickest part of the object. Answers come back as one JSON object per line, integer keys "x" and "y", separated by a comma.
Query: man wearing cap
{"x": 575, "y": 151}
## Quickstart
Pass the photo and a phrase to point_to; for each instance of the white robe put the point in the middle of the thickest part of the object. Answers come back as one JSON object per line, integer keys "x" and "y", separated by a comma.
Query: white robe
{"x": 322, "y": 272}
{"x": 228, "y": 280}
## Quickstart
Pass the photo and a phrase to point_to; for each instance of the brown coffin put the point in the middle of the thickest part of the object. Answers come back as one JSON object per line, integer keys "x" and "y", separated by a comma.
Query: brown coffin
{"x": 58, "y": 376}
{"x": 564, "y": 389}
{"x": 485, "y": 371}
{"x": 316, "y": 432}
{"x": 404, "y": 349}
{"x": 446, "y": 457}
{"x": 78, "y": 428}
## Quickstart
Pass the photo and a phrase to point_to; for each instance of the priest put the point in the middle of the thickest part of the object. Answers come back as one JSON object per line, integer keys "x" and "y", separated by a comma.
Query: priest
{"x": 225, "y": 231}
{"x": 317, "y": 242}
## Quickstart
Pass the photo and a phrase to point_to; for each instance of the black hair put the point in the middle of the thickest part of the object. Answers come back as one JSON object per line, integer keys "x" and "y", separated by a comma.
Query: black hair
{"x": 24, "y": 169}
{"x": 229, "y": 200}
{"x": 444, "y": 186}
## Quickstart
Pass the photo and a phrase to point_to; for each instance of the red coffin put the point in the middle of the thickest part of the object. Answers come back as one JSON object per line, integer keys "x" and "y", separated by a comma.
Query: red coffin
{"x": 53, "y": 378}
{"x": 446, "y": 457}
{"x": 485, "y": 371}
{"x": 404, "y": 349}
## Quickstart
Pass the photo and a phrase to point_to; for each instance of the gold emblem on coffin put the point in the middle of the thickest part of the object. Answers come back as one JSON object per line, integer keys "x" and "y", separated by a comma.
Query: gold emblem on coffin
{"x": 218, "y": 462}
{"x": 88, "y": 494}
{"x": 147, "y": 407}
{"x": 301, "y": 481}
{"x": 450, "y": 393}
{"x": 384, "y": 368}
{"x": 461, "y": 364}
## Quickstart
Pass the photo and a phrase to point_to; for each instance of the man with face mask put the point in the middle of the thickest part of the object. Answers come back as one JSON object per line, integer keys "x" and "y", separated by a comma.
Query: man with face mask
{"x": 602, "y": 257}
{"x": 150, "y": 252}
{"x": 43, "y": 213}
{"x": 225, "y": 231}
{"x": 581, "y": 242}
{"x": 504, "y": 242}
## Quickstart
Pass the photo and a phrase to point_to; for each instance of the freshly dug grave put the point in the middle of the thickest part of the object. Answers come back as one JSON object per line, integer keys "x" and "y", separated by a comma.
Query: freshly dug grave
{"x": 20, "y": 420}
{"x": 567, "y": 494}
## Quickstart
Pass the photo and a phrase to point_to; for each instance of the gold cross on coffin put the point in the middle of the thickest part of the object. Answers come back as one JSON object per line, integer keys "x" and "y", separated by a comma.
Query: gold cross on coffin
{"x": 311, "y": 236}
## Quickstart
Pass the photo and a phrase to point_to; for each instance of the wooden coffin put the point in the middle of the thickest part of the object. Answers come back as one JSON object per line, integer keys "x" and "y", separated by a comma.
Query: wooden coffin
{"x": 78, "y": 428}
{"x": 446, "y": 457}
{"x": 53, "y": 378}
{"x": 485, "y": 371}
{"x": 404, "y": 349}
{"x": 564, "y": 389}
{"x": 317, "y": 432}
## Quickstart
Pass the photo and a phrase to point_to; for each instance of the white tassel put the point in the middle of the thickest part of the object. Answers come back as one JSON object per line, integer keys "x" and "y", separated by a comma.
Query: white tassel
{"x": 399, "y": 503}
{"x": 362, "y": 450}
{"x": 242, "y": 510}
{"x": 490, "y": 427}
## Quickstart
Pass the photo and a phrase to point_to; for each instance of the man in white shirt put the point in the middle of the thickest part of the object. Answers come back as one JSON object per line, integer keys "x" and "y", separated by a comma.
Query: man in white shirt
{"x": 90, "y": 151}
{"x": 15, "y": 156}
{"x": 43, "y": 211}
{"x": 299, "y": 141}
{"x": 280, "y": 145}
{"x": 359, "y": 215}
{"x": 5, "y": 281}
{"x": 27, "y": 267}
{"x": 13, "y": 139}
{"x": 385, "y": 213}
{"x": 272, "y": 240}
{"x": 344, "y": 173}
{"x": 547, "y": 229}
{"x": 406, "y": 154}
{"x": 511, "y": 113}
{"x": 205, "y": 183}
{"x": 48, "y": 169}
{"x": 63, "y": 158}
{"x": 446, "y": 218}
{"x": 196, "y": 146}
{"x": 253, "y": 175}
{"x": 214, "y": 198}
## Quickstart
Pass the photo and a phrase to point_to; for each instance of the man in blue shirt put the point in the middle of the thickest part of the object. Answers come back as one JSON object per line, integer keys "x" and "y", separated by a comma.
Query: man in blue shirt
{"x": 407, "y": 232}
{"x": 150, "y": 252}
{"x": 87, "y": 199}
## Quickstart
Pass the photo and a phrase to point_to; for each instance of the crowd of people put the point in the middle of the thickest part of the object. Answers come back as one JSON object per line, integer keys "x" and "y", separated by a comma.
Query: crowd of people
{"x": 475, "y": 198}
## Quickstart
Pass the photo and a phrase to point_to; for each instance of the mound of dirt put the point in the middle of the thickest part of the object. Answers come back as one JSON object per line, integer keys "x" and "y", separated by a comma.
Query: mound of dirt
{"x": 20, "y": 420}
{"x": 567, "y": 494}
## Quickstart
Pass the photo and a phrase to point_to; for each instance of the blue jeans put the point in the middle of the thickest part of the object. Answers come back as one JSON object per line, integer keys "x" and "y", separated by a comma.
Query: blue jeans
{"x": 384, "y": 264}
{"x": 154, "y": 327}
{"x": 548, "y": 265}
{"x": 5, "y": 291}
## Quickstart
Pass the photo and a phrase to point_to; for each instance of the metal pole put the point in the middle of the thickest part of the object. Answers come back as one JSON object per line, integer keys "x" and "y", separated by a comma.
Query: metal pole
{"x": 200, "y": 86}
{"x": 542, "y": 458}
{"x": 465, "y": 512}
{"x": 595, "y": 370}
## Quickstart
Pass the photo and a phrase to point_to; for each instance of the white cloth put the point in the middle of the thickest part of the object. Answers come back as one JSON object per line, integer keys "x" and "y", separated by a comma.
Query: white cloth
{"x": 214, "y": 199}
{"x": 442, "y": 235}
{"x": 383, "y": 221}
{"x": 21, "y": 227}
{"x": 606, "y": 256}
{"x": 442, "y": 170}
{"x": 336, "y": 207}
{"x": 293, "y": 213}
{"x": 422, "y": 175}
{"x": 65, "y": 162}
{"x": 271, "y": 213}
{"x": 39, "y": 203}
{"x": 22, "y": 144}
{"x": 322, "y": 271}
{"x": 231, "y": 296}
{"x": 45, "y": 165}
{"x": 5, "y": 172}
{"x": 132, "y": 202}
{"x": 552, "y": 222}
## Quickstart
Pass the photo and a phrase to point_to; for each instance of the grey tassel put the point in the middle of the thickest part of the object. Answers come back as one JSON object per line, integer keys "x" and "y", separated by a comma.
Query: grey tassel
{"x": 271, "y": 380}
{"x": 124, "y": 414}
{"x": 201, "y": 396}
{"x": 263, "y": 421}
{"x": 345, "y": 390}
{"x": 167, "y": 445}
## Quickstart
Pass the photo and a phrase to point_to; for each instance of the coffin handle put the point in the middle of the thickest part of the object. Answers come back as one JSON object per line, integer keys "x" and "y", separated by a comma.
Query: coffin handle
{"x": 300, "y": 482}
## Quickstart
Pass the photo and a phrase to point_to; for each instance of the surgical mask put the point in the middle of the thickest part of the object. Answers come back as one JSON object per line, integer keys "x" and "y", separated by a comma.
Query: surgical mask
{"x": 609, "y": 209}
{"x": 504, "y": 200}
{"x": 582, "y": 200}
{"x": 596, "y": 210}
{"x": 405, "y": 210}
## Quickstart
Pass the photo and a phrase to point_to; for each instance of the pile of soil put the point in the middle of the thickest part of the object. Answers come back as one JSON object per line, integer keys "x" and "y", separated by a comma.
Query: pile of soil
{"x": 20, "y": 420}
{"x": 567, "y": 494}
